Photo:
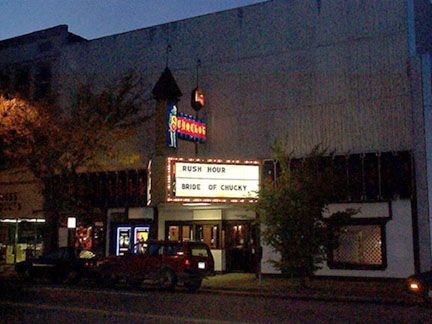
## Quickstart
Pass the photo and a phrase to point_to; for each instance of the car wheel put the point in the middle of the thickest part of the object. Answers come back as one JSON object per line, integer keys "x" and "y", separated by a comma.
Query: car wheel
{"x": 193, "y": 285}
{"x": 167, "y": 279}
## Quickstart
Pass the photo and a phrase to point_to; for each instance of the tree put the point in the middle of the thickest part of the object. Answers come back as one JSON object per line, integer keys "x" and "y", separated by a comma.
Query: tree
{"x": 50, "y": 140}
{"x": 292, "y": 211}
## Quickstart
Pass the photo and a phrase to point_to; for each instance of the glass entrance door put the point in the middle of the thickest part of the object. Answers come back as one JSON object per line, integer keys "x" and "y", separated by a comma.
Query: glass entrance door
{"x": 240, "y": 245}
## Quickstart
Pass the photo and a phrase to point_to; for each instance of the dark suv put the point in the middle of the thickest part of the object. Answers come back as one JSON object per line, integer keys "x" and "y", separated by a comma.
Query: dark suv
{"x": 165, "y": 263}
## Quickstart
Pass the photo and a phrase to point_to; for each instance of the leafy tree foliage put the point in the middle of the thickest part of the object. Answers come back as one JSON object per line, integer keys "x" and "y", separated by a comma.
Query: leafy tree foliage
{"x": 52, "y": 140}
{"x": 291, "y": 210}
{"x": 48, "y": 139}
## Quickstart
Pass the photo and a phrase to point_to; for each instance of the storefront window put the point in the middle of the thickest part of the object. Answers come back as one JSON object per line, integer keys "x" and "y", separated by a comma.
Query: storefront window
{"x": 180, "y": 233}
{"x": 20, "y": 240}
{"x": 89, "y": 234}
{"x": 208, "y": 234}
{"x": 84, "y": 238}
{"x": 186, "y": 233}
{"x": 360, "y": 247}
{"x": 173, "y": 233}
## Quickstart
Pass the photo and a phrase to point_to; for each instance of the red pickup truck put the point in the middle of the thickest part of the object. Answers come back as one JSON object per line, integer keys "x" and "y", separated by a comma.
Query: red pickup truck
{"x": 165, "y": 263}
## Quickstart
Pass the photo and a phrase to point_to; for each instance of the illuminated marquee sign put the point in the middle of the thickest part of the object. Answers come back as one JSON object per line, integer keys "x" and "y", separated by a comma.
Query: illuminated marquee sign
{"x": 197, "y": 180}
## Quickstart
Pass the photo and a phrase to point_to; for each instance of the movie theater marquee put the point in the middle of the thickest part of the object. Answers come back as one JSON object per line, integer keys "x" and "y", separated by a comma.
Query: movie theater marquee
{"x": 215, "y": 180}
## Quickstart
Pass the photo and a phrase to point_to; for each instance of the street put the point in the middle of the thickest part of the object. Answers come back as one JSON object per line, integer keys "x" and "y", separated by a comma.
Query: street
{"x": 60, "y": 304}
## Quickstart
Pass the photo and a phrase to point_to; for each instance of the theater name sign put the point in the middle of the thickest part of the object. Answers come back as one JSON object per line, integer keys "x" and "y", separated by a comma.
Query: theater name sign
{"x": 198, "y": 180}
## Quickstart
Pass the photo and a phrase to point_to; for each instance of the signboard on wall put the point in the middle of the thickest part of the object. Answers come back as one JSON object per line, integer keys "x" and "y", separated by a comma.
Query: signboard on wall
{"x": 183, "y": 126}
{"x": 171, "y": 119}
{"x": 21, "y": 200}
{"x": 190, "y": 128}
{"x": 199, "y": 180}
{"x": 9, "y": 202}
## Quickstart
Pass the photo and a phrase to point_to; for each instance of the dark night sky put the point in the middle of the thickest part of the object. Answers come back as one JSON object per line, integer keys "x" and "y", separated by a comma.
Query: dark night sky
{"x": 96, "y": 18}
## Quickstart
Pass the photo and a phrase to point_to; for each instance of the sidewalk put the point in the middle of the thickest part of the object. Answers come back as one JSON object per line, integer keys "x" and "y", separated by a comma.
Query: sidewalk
{"x": 341, "y": 290}
{"x": 388, "y": 292}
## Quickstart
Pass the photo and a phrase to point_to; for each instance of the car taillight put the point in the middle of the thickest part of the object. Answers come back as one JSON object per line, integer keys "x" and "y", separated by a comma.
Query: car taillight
{"x": 187, "y": 263}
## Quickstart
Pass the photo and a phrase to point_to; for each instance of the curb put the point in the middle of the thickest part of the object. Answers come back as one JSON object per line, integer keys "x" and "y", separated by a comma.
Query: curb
{"x": 347, "y": 299}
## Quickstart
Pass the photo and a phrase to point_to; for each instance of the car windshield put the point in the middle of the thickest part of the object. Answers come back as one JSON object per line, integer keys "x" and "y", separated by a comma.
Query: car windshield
{"x": 57, "y": 254}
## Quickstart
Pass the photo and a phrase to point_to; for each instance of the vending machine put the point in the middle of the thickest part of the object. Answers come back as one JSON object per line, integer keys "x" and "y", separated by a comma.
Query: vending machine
{"x": 128, "y": 235}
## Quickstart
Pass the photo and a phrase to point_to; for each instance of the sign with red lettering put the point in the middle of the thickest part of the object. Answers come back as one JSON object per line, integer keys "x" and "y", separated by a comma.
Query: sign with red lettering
{"x": 197, "y": 99}
{"x": 190, "y": 128}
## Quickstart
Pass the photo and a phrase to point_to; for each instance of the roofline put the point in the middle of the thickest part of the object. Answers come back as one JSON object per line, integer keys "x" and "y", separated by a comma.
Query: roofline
{"x": 265, "y": 2}
{"x": 30, "y": 37}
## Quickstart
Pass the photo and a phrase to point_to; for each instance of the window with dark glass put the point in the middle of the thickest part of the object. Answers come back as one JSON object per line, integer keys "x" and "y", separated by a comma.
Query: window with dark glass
{"x": 341, "y": 178}
{"x": 355, "y": 177}
{"x": 405, "y": 175}
{"x": 132, "y": 188}
{"x": 141, "y": 196}
{"x": 120, "y": 189}
{"x": 396, "y": 175}
{"x": 105, "y": 189}
{"x": 371, "y": 176}
{"x": 365, "y": 177}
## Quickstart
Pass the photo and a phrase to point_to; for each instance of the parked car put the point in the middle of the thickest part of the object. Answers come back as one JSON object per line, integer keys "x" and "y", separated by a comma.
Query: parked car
{"x": 421, "y": 284}
{"x": 61, "y": 265}
{"x": 164, "y": 263}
